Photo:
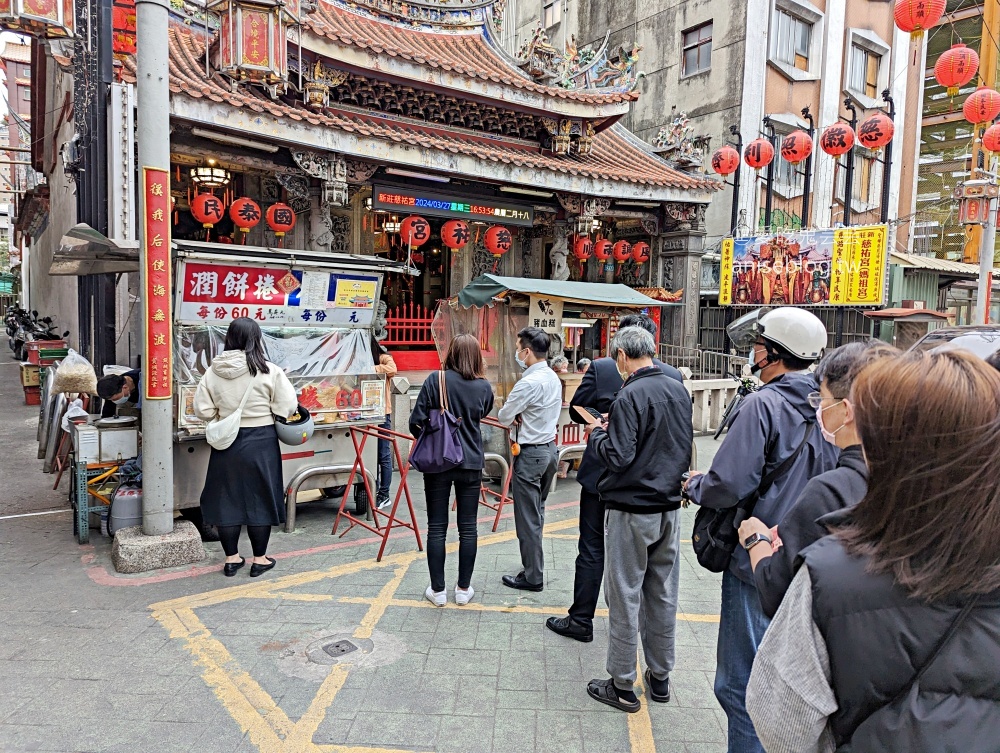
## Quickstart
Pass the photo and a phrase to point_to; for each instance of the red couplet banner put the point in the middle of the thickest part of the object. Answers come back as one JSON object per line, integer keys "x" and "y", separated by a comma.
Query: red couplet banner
{"x": 157, "y": 366}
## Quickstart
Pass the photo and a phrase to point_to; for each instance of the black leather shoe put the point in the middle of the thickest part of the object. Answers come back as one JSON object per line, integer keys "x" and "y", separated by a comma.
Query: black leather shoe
{"x": 256, "y": 569}
{"x": 518, "y": 581}
{"x": 231, "y": 567}
{"x": 566, "y": 627}
{"x": 657, "y": 690}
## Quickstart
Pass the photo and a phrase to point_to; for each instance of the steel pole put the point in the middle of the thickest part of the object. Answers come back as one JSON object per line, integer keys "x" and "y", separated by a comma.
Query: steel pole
{"x": 887, "y": 161}
{"x": 734, "y": 214}
{"x": 153, "y": 136}
{"x": 987, "y": 245}
{"x": 849, "y": 166}
{"x": 807, "y": 170}
{"x": 769, "y": 182}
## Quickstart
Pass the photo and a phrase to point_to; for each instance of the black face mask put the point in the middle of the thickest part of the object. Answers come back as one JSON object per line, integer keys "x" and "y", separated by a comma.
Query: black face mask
{"x": 757, "y": 367}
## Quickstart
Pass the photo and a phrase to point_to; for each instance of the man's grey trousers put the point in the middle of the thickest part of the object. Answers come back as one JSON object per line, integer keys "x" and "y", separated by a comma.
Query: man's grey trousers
{"x": 534, "y": 470}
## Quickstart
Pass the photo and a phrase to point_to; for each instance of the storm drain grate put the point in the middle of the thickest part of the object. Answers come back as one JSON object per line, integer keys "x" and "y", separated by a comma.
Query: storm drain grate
{"x": 339, "y": 648}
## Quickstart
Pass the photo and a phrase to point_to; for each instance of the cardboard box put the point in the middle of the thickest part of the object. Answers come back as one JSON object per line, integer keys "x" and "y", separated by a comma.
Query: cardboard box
{"x": 570, "y": 382}
{"x": 30, "y": 375}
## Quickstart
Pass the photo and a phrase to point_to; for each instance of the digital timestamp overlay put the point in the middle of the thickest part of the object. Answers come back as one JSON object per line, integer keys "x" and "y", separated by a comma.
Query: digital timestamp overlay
{"x": 445, "y": 206}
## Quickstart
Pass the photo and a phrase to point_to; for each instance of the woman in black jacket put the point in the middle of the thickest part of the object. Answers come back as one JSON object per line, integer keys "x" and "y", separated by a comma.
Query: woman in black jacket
{"x": 470, "y": 398}
{"x": 774, "y": 562}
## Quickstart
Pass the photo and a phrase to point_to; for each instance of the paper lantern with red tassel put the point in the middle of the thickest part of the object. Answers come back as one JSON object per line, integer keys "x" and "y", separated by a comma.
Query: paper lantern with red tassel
{"x": 498, "y": 240}
{"x": 602, "y": 249}
{"x": 583, "y": 249}
{"x": 622, "y": 251}
{"x": 640, "y": 252}
{"x": 956, "y": 67}
{"x": 759, "y": 153}
{"x": 796, "y": 147}
{"x": 837, "y": 139}
{"x": 245, "y": 214}
{"x": 415, "y": 231}
{"x": 876, "y": 131}
{"x": 982, "y": 106}
{"x": 725, "y": 160}
{"x": 280, "y": 218}
{"x": 455, "y": 234}
{"x": 917, "y": 16}
{"x": 208, "y": 209}
{"x": 991, "y": 139}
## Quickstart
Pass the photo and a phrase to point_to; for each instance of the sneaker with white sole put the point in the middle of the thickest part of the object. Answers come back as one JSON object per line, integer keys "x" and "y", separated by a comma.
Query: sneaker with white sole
{"x": 437, "y": 598}
{"x": 464, "y": 595}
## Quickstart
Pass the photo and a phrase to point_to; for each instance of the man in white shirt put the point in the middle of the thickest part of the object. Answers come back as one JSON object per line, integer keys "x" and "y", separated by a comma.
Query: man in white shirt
{"x": 534, "y": 405}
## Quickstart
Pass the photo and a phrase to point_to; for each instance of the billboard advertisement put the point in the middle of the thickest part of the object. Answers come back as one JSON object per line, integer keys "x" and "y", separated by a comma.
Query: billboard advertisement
{"x": 842, "y": 267}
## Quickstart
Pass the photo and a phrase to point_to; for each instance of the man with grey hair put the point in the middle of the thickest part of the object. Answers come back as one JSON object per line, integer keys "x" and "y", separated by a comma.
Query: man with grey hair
{"x": 645, "y": 446}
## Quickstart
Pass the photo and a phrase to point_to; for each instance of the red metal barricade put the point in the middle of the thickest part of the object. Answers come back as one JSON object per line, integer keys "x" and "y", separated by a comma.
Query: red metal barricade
{"x": 393, "y": 437}
{"x": 503, "y": 496}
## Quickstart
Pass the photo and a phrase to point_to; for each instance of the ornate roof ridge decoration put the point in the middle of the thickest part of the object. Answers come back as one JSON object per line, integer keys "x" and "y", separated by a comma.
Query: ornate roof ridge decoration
{"x": 677, "y": 144}
{"x": 588, "y": 69}
{"x": 425, "y": 15}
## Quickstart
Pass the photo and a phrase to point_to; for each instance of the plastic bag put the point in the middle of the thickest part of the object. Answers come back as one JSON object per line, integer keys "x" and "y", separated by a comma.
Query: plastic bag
{"x": 75, "y": 374}
{"x": 75, "y": 410}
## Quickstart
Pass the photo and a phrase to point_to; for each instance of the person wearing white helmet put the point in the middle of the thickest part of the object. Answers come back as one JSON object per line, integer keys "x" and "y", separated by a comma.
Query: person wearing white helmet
{"x": 771, "y": 450}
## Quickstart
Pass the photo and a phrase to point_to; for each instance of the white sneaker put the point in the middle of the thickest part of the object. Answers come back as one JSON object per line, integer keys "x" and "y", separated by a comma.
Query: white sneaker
{"x": 464, "y": 595}
{"x": 437, "y": 598}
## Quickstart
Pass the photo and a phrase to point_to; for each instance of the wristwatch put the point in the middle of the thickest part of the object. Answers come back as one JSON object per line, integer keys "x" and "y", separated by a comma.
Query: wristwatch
{"x": 755, "y": 538}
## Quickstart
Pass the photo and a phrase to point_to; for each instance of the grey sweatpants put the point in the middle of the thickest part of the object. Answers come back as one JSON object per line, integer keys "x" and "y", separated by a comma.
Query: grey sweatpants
{"x": 641, "y": 578}
{"x": 534, "y": 469}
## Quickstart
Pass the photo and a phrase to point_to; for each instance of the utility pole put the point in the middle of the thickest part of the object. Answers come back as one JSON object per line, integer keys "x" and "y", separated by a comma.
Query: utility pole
{"x": 153, "y": 136}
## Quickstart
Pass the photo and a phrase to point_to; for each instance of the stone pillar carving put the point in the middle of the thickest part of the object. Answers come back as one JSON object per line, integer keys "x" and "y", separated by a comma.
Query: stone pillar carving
{"x": 331, "y": 169}
{"x": 559, "y": 253}
{"x": 679, "y": 266}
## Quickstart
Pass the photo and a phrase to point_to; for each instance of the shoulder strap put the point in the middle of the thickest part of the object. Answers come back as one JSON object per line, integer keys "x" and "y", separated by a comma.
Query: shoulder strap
{"x": 443, "y": 391}
{"x": 246, "y": 394}
{"x": 746, "y": 510}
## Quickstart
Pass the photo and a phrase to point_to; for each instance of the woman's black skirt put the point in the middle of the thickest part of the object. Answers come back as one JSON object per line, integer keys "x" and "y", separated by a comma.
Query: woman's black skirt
{"x": 244, "y": 486}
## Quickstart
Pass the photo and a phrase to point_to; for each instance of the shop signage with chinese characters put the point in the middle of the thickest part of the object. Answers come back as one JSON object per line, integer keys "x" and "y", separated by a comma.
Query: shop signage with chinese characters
{"x": 217, "y": 293}
{"x": 842, "y": 267}
{"x": 546, "y": 313}
{"x": 157, "y": 366}
{"x": 408, "y": 200}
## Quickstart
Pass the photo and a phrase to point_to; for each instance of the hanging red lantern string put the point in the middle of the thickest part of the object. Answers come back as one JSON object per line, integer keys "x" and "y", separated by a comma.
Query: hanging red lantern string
{"x": 837, "y": 139}
{"x": 498, "y": 241}
{"x": 415, "y": 231}
{"x": 602, "y": 249}
{"x": 758, "y": 153}
{"x": 956, "y": 67}
{"x": 916, "y": 16}
{"x": 583, "y": 248}
{"x": 455, "y": 235}
{"x": 208, "y": 209}
{"x": 991, "y": 139}
{"x": 281, "y": 219}
{"x": 640, "y": 252}
{"x": 245, "y": 214}
{"x": 796, "y": 147}
{"x": 876, "y": 131}
{"x": 982, "y": 106}
{"x": 725, "y": 160}
{"x": 622, "y": 251}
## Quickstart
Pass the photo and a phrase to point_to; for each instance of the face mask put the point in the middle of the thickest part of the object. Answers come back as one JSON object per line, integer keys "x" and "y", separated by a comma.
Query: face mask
{"x": 121, "y": 401}
{"x": 520, "y": 362}
{"x": 829, "y": 436}
{"x": 755, "y": 367}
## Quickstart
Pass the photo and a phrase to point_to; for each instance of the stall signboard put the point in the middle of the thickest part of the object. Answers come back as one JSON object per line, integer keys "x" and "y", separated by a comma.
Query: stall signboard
{"x": 841, "y": 267}
{"x": 546, "y": 313}
{"x": 418, "y": 201}
{"x": 157, "y": 366}
{"x": 217, "y": 293}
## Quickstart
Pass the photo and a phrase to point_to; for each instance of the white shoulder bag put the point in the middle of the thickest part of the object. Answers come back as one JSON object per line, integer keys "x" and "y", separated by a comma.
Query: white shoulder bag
{"x": 221, "y": 432}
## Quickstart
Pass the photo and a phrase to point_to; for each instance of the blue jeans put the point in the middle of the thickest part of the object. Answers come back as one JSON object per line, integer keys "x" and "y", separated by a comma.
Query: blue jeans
{"x": 741, "y": 629}
{"x": 385, "y": 461}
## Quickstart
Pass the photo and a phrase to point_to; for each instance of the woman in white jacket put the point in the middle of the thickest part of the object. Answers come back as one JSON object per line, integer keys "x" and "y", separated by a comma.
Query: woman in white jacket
{"x": 244, "y": 486}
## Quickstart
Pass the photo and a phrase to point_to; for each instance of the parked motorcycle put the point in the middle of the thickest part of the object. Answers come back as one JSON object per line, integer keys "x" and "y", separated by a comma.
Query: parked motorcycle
{"x": 24, "y": 327}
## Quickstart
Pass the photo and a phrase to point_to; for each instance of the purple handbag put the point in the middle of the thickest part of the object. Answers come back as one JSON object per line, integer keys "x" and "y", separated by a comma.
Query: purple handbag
{"x": 438, "y": 448}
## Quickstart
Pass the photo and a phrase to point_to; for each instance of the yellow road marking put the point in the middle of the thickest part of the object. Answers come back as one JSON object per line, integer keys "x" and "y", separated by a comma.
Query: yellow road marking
{"x": 305, "y": 728}
{"x": 640, "y": 726}
{"x": 379, "y": 604}
{"x": 567, "y": 536}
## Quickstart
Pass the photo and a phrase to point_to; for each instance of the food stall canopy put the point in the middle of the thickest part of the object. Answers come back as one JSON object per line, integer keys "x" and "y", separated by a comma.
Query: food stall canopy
{"x": 482, "y": 291}
{"x": 84, "y": 251}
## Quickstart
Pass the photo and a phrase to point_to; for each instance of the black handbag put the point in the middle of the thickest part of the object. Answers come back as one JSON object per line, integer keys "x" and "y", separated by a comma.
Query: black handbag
{"x": 716, "y": 532}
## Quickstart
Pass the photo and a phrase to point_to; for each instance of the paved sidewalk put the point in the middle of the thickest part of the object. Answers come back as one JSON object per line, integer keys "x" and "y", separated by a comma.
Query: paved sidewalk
{"x": 186, "y": 660}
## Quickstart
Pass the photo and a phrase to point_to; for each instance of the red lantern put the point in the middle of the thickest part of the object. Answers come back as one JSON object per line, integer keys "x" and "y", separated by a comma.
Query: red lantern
{"x": 759, "y": 153}
{"x": 796, "y": 146}
{"x": 725, "y": 160}
{"x": 208, "y": 209}
{"x": 837, "y": 139}
{"x": 455, "y": 234}
{"x": 916, "y": 16}
{"x": 991, "y": 139}
{"x": 602, "y": 249}
{"x": 498, "y": 240}
{"x": 982, "y": 106}
{"x": 245, "y": 214}
{"x": 415, "y": 231}
{"x": 622, "y": 251}
{"x": 583, "y": 249}
{"x": 956, "y": 67}
{"x": 876, "y": 131}
{"x": 640, "y": 252}
{"x": 280, "y": 218}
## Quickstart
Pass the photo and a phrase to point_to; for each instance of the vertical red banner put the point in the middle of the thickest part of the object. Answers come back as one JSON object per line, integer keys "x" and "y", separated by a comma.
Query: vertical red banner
{"x": 157, "y": 365}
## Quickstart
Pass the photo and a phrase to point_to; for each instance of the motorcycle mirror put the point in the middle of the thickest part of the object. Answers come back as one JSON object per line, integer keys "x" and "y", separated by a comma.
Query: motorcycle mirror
{"x": 34, "y": 313}
{"x": 47, "y": 320}
{"x": 65, "y": 334}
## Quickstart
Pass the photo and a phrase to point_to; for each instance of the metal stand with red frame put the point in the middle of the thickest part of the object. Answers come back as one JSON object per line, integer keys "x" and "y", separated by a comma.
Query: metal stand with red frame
{"x": 503, "y": 496}
{"x": 393, "y": 437}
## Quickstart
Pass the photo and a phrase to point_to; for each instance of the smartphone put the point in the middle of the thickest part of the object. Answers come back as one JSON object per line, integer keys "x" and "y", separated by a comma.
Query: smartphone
{"x": 595, "y": 413}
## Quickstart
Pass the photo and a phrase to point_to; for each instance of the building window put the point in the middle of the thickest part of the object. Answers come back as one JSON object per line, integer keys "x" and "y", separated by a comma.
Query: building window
{"x": 864, "y": 71}
{"x": 26, "y": 71}
{"x": 788, "y": 177}
{"x": 792, "y": 40}
{"x": 26, "y": 94}
{"x": 863, "y": 194}
{"x": 697, "y": 50}
{"x": 551, "y": 13}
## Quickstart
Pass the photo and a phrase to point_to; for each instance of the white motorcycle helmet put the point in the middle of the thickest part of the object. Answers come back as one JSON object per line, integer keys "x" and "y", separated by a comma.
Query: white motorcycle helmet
{"x": 296, "y": 430}
{"x": 795, "y": 330}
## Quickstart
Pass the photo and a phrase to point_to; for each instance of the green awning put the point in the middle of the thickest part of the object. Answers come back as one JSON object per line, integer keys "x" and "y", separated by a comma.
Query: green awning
{"x": 482, "y": 290}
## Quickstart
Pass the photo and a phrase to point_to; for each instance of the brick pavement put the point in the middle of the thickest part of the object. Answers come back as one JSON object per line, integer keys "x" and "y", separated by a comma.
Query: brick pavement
{"x": 187, "y": 660}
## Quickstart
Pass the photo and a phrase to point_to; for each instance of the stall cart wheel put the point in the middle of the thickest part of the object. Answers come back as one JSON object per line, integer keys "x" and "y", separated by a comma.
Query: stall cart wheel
{"x": 360, "y": 500}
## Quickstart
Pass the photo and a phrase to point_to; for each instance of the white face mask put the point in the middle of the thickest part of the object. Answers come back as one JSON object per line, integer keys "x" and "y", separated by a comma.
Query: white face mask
{"x": 829, "y": 436}
{"x": 520, "y": 361}
{"x": 121, "y": 401}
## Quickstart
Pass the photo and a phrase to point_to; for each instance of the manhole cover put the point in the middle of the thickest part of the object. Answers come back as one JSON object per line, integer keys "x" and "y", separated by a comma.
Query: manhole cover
{"x": 339, "y": 648}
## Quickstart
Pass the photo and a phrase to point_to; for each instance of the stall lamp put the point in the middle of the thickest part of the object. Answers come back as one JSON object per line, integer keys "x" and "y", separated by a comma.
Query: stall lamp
{"x": 368, "y": 203}
{"x": 391, "y": 227}
{"x": 419, "y": 176}
{"x": 206, "y": 176}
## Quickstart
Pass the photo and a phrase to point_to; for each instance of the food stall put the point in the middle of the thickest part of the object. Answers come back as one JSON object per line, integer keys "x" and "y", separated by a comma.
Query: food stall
{"x": 495, "y": 309}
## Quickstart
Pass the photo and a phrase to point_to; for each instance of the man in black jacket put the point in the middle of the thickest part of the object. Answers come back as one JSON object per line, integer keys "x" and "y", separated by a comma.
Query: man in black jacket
{"x": 597, "y": 390}
{"x": 646, "y": 448}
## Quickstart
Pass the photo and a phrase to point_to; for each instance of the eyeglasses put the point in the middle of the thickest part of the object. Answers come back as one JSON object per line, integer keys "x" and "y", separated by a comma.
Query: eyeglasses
{"x": 816, "y": 399}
